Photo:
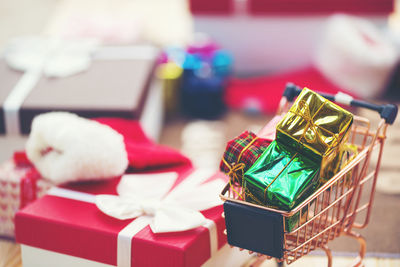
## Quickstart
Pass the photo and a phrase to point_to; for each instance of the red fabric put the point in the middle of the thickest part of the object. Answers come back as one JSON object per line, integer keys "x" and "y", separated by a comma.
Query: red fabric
{"x": 296, "y": 7}
{"x": 211, "y": 7}
{"x": 142, "y": 152}
{"x": 264, "y": 94}
{"x": 79, "y": 229}
{"x": 21, "y": 159}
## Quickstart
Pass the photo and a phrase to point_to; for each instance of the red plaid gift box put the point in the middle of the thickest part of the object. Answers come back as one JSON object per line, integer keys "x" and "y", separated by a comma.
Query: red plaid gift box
{"x": 241, "y": 153}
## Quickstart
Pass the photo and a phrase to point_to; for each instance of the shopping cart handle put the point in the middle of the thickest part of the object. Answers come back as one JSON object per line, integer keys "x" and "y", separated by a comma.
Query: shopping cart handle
{"x": 291, "y": 91}
{"x": 387, "y": 111}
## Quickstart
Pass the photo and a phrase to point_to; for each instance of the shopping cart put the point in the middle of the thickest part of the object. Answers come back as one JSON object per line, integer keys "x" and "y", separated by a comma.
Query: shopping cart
{"x": 338, "y": 207}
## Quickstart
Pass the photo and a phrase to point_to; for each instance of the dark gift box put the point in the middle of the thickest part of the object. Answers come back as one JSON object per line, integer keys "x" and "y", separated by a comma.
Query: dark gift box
{"x": 116, "y": 84}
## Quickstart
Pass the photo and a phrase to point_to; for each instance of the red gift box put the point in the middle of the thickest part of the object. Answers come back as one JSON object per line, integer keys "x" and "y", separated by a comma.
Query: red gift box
{"x": 220, "y": 7}
{"x": 19, "y": 185}
{"x": 78, "y": 228}
{"x": 269, "y": 36}
{"x": 276, "y": 7}
{"x": 375, "y": 7}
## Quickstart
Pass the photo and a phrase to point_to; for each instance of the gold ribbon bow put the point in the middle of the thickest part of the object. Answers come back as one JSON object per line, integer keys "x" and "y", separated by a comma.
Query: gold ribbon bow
{"x": 237, "y": 167}
{"x": 303, "y": 110}
{"x": 234, "y": 169}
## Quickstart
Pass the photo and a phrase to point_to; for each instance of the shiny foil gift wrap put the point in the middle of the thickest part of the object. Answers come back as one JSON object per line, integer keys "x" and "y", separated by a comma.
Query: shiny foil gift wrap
{"x": 240, "y": 154}
{"x": 280, "y": 178}
{"x": 345, "y": 154}
{"x": 315, "y": 126}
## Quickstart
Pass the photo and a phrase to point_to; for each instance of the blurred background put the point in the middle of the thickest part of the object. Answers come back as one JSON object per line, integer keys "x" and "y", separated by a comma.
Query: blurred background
{"x": 221, "y": 68}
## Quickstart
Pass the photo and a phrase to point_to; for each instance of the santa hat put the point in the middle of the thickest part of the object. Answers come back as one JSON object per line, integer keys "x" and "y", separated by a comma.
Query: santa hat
{"x": 64, "y": 147}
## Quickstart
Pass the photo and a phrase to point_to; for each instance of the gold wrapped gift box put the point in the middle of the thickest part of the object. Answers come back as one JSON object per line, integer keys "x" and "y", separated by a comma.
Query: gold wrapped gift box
{"x": 318, "y": 128}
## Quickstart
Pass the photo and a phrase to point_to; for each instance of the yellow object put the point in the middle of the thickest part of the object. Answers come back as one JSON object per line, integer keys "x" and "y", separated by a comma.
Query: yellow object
{"x": 316, "y": 127}
{"x": 346, "y": 153}
{"x": 170, "y": 73}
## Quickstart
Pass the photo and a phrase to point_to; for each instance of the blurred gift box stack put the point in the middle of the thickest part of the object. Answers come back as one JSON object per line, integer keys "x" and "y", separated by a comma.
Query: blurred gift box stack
{"x": 276, "y": 35}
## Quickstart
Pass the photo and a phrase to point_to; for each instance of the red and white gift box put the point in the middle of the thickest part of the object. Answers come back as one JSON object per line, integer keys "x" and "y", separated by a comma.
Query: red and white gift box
{"x": 276, "y": 35}
{"x": 66, "y": 224}
{"x": 19, "y": 185}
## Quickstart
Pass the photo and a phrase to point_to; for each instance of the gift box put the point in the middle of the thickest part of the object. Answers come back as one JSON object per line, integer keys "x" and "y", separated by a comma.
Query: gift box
{"x": 308, "y": 138}
{"x": 346, "y": 153}
{"x": 21, "y": 183}
{"x": 67, "y": 222}
{"x": 257, "y": 31}
{"x": 240, "y": 154}
{"x": 19, "y": 186}
{"x": 32, "y": 256}
{"x": 118, "y": 83}
{"x": 280, "y": 178}
{"x": 315, "y": 126}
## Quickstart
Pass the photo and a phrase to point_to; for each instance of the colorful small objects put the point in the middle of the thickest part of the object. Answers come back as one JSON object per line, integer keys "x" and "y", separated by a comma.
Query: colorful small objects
{"x": 206, "y": 69}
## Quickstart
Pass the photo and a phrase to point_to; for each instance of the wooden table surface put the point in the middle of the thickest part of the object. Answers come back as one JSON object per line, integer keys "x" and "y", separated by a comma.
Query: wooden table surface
{"x": 10, "y": 254}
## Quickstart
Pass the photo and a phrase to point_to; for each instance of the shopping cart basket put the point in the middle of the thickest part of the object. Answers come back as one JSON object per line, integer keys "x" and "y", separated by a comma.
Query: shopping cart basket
{"x": 338, "y": 207}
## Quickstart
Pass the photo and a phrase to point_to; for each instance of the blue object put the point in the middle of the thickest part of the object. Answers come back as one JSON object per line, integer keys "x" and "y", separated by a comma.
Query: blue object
{"x": 203, "y": 81}
{"x": 191, "y": 62}
{"x": 202, "y": 95}
{"x": 222, "y": 63}
{"x": 254, "y": 229}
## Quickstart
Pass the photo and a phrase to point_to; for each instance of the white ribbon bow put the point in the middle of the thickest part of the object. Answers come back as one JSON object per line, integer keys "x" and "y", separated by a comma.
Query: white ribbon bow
{"x": 54, "y": 57}
{"x": 147, "y": 195}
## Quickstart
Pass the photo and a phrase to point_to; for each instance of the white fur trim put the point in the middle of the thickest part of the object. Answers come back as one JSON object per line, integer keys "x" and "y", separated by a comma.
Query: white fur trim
{"x": 355, "y": 55}
{"x": 65, "y": 147}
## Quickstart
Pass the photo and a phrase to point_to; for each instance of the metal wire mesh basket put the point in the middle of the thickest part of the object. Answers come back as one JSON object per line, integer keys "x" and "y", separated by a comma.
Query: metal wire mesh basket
{"x": 336, "y": 208}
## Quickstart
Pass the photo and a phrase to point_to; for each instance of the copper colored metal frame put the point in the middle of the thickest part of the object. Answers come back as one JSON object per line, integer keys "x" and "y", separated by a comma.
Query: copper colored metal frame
{"x": 338, "y": 207}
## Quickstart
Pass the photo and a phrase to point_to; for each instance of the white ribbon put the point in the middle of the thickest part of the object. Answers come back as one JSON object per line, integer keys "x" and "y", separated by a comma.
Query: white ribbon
{"x": 178, "y": 211}
{"x": 36, "y": 56}
{"x": 15, "y": 99}
{"x": 146, "y": 197}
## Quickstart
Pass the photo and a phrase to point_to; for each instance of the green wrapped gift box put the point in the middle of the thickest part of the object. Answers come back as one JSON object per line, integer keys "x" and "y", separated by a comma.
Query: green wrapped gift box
{"x": 280, "y": 178}
{"x": 308, "y": 139}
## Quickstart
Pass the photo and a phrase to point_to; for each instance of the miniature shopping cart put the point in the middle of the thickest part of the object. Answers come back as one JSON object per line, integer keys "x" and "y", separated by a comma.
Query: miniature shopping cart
{"x": 338, "y": 207}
